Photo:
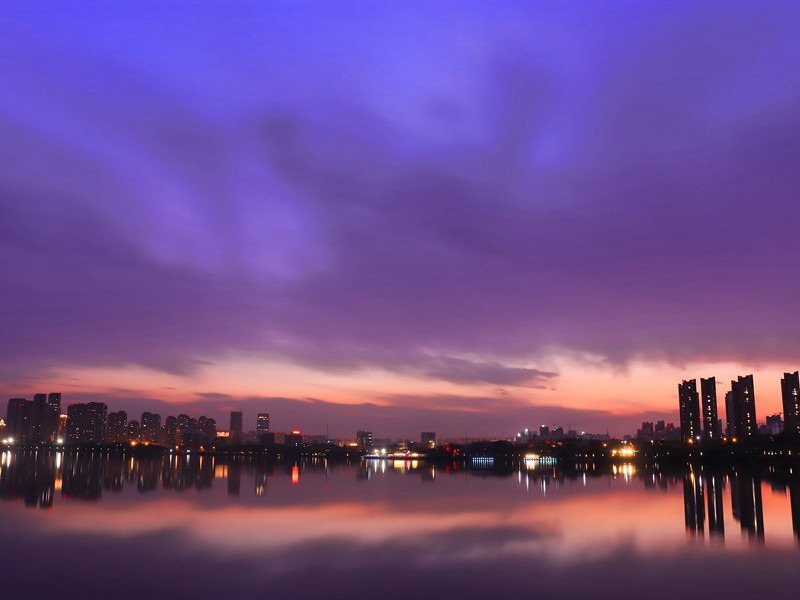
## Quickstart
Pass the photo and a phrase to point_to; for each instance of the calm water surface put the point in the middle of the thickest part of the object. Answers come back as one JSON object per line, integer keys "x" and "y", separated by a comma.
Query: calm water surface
{"x": 98, "y": 526}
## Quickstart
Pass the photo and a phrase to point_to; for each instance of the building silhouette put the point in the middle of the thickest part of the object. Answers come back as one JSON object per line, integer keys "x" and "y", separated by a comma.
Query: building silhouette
{"x": 790, "y": 394}
{"x": 235, "y": 436}
{"x": 53, "y": 416}
{"x": 428, "y": 439}
{"x": 741, "y": 408}
{"x": 208, "y": 429}
{"x": 689, "y": 410}
{"x": 86, "y": 423}
{"x": 172, "y": 431}
{"x": 134, "y": 431}
{"x": 774, "y": 425}
{"x": 18, "y": 418}
{"x": 117, "y": 427}
{"x": 708, "y": 394}
{"x": 364, "y": 439}
{"x": 150, "y": 427}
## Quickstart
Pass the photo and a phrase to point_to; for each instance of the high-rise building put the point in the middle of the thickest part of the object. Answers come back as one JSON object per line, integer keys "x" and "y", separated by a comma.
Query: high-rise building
{"x": 364, "y": 439}
{"x": 690, "y": 410}
{"x": 52, "y": 424}
{"x": 790, "y": 393}
{"x": 62, "y": 426}
{"x": 774, "y": 425}
{"x": 295, "y": 438}
{"x": 172, "y": 431}
{"x": 708, "y": 393}
{"x": 150, "y": 427}
{"x": 134, "y": 431}
{"x": 730, "y": 415}
{"x": 743, "y": 408}
{"x": 117, "y": 428}
{"x": 18, "y": 418}
{"x": 428, "y": 438}
{"x": 38, "y": 418}
{"x": 208, "y": 429}
{"x": 86, "y": 423}
{"x": 262, "y": 423}
{"x": 236, "y": 427}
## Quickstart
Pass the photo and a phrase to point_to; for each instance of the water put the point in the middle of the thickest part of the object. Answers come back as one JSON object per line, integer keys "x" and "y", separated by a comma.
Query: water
{"x": 89, "y": 526}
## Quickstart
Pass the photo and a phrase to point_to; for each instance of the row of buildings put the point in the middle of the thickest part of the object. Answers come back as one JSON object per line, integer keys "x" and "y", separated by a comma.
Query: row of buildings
{"x": 699, "y": 416}
{"x": 40, "y": 421}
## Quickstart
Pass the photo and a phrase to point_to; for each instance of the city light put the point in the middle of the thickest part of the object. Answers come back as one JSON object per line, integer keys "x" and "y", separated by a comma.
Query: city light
{"x": 624, "y": 451}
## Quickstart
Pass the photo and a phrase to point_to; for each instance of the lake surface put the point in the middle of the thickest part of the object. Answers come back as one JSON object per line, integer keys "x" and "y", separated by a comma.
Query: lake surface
{"x": 86, "y": 526}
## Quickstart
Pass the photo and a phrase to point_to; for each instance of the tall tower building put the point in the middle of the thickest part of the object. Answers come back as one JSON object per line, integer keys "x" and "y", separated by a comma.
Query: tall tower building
{"x": 708, "y": 392}
{"x": 236, "y": 427}
{"x": 37, "y": 424}
{"x": 262, "y": 423}
{"x": 690, "y": 410}
{"x": 117, "y": 430}
{"x": 790, "y": 392}
{"x": 53, "y": 416}
{"x": 743, "y": 407}
{"x": 86, "y": 423}
{"x": 172, "y": 431}
{"x": 18, "y": 417}
{"x": 150, "y": 427}
{"x": 364, "y": 439}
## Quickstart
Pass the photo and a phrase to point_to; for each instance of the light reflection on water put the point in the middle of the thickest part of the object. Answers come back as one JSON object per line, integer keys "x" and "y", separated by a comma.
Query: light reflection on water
{"x": 221, "y": 513}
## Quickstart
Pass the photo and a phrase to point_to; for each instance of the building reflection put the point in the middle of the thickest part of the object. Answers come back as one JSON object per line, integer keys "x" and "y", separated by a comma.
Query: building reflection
{"x": 747, "y": 507}
{"x": 38, "y": 478}
{"x": 794, "y": 502}
{"x": 694, "y": 504}
{"x": 714, "y": 485}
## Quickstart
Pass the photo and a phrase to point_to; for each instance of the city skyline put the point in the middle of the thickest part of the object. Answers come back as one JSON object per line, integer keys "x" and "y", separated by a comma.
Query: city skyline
{"x": 699, "y": 417}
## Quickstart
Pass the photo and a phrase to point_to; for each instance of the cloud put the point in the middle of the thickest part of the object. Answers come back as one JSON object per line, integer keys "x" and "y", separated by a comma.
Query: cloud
{"x": 458, "y": 370}
{"x": 624, "y": 188}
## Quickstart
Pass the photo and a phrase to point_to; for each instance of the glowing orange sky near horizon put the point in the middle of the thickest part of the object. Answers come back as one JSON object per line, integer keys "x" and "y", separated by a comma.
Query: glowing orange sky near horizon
{"x": 642, "y": 388}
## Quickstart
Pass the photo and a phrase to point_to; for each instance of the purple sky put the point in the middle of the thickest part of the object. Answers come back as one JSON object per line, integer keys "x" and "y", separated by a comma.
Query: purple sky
{"x": 469, "y": 211}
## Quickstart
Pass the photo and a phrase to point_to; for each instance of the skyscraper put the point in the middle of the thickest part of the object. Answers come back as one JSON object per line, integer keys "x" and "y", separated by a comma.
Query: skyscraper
{"x": 208, "y": 428}
{"x": 262, "y": 430}
{"x": 730, "y": 415}
{"x": 172, "y": 431}
{"x": 117, "y": 429}
{"x": 53, "y": 416}
{"x": 134, "y": 431}
{"x": 236, "y": 427}
{"x": 743, "y": 405}
{"x": 86, "y": 423}
{"x": 38, "y": 418}
{"x": 18, "y": 416}
{"x": 151, "y": 426}
{"x": 790, "y": 393}
{"x": 708, "y": 391}
{"x": 690, "y": 410}
{"x": 262, "y": 423}
{"x": 364, "y": 439}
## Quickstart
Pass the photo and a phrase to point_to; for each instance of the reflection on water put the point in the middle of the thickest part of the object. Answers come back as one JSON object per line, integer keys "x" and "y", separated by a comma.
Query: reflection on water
{"x": 411, "y": 516}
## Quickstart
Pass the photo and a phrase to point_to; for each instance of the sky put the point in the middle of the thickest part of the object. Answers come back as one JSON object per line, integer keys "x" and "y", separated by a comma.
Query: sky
{"x": 401, "y": 216}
